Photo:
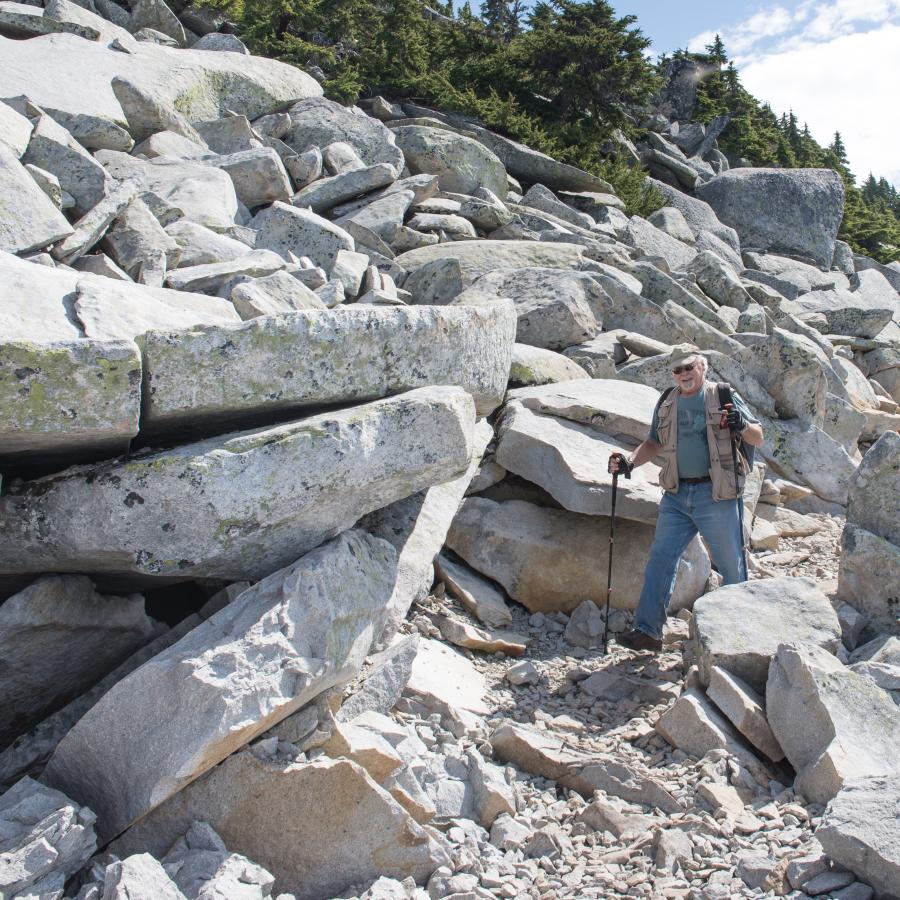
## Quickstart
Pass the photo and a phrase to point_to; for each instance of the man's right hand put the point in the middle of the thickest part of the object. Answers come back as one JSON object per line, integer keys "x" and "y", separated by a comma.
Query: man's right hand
{"x": 618, "y": 463}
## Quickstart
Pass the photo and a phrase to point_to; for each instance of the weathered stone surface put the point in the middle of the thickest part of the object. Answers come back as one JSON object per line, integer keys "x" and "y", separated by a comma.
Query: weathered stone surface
{"x": 315, "y": 357}
{"x": 859, "y": 831}
{"x": 213, "y": 276}
{"x": 542, "y": 198}
{"x": 288, "y": 229}
{"x": 444, "y": 679}
{"x": 277, "y": 293}
{"x": 555, "y": 309}
{"x": 548, "y": 755}
{"x": 534, "y": 365}
{"x": 382, "y": 217}
{"x": 364, "y": 747}
{"x": 259, "y": 176}
{"x": 476, "y": 258}
{"x": 868, "y": 576}
{"x": 874, "y": 496}
{"x": 386, "y": 676}
{"x": 317, "y": 827}
{"x": 698, "y": 214}
{"x": 551, "y": 559}
{"x": 327, "y": 193}
{"x": 200, "y": 245}
{"x": 148, "y": 112}
{"x": 794, "y": 211}
{"x": 654, "y": 242}
{"x": 65, "y": 73}
{"x": 353, "y": 461}
{"x": 139, "y": 877}
{"x": 68, "y": 397}
{"x": 477, "y": 594}
{"x": 317, "y": 122}
{"x": 46, "y": 838}
{"x": 470, "y": 637}
{"x": 739, "y": 627}
{"x": 15, "y": 128}
{"x": 569, "y": 461}
{"x": 744, "y": 708}
{"x": 250, "y": 665}
{"x": 58, "y": 637}
{"x": 28, "y": 218}
{"x": 832, "y": 723}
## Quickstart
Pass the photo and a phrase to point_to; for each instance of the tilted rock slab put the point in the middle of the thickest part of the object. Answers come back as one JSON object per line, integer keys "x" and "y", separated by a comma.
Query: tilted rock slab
{"x": 553, "y": 559}
{"x": 783, "y": 210}
{"x": 833, "y": 724}
{"x": 859, "y": 831}
{"x": 57, "y": 637}
{"x": 211, "y": 375}
{"x": 534, "y": 365}
{"x": 868, "y": 576}
{"x": 67, "y": 73}
{"x": 739, "y": 627}
{"x": 79, "y": 395}
{"x": 45, "y": 838}
{"x": 241, "y": 505}
{"x": 292, "y": 636}
{"x": 317, "y": 827}
{"x": 874, "y": 496}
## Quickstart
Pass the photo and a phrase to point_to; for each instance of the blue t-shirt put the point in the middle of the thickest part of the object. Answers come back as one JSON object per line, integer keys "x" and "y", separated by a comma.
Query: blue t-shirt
{"x": 692, "y": 446}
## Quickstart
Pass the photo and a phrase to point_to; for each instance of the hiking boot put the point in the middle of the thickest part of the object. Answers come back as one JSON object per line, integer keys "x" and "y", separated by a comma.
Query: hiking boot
{"x": 634, "y": 639}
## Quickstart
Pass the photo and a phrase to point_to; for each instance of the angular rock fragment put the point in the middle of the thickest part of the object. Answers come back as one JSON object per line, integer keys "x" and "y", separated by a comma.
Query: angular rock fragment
{"x": 385, "y": 678}
{"x": 211, "y": 277}
{"x": 317, "y": 827}
{"x": 259, "y": 176}
{"x": 326, "y": 193}
{"x": 868, "y": 575}
{"x": 741, "y": 626}
{"x": 148, "y": 113}
{"x": 148, "y": 518}
{"x": 534, "y": 365}
{"x": 289, "y": 229}
{"x": 279, "y": 292}
{"x": 477, "y": 594}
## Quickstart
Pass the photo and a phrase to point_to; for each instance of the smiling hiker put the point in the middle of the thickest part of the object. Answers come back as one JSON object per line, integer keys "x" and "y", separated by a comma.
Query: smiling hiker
{"x": 691, "y": 431}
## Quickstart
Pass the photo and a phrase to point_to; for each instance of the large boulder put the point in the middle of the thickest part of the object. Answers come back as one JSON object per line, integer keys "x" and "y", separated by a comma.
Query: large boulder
{"x": 874, "y": 496}
{"x": 57, "y": 637}
{"x": 295, "y": 634}
{"x": 45, "y": 838}
{"x": 318, "y": 827}
{"x": 740, "y": 626}
{"x": 553, "y": 559}
{"x": 859, "y": 831}
{"x": 555, "y": 309}
{"x": 234, "y": 507}
{"x": 785, "y": 210}
{"x": 462, "y": 164}
{"x": 293, "y": 230}
{"x": 868, "y": 576}
{"x": 832, "y": 723}
{"x": 698, "y": 214}
{"x": 534, "y": 365}
{"x": 214, "y": 376}
{"x": 66, "y": 74}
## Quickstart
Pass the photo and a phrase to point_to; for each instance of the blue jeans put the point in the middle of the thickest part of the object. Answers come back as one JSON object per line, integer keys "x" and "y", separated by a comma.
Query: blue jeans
{"x": 681, "y": 516}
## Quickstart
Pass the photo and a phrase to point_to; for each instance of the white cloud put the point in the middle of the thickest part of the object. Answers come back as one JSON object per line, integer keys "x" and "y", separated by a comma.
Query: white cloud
{"x": 846, "y": 84}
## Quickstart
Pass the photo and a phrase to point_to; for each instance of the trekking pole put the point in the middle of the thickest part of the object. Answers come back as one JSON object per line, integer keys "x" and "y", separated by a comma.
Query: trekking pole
{"x": 740, "y": 500}
{"x": 612, "y": 536}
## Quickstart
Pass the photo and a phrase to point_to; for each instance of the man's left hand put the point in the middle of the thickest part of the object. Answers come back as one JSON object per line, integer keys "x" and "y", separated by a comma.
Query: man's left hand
{"x": 735, "y": 421}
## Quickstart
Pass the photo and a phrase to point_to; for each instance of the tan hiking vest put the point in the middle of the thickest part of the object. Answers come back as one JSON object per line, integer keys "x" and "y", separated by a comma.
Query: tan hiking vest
{"x": 721, "y": 465}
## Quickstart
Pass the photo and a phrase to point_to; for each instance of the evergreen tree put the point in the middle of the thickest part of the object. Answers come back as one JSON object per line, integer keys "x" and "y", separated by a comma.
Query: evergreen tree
{"x": 502, "y": 17}
{"x": 716, "y": 51}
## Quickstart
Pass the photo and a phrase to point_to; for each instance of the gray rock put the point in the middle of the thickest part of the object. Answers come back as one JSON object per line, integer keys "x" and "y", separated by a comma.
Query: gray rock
{"x": 200, "y": 245}
{"x": 859, "y": 831}
{"x": 241, "y": 531}
{"x": 534, "y": 365}
{"x": 46, "y": 838}
{"x": 551, "y": 559}
{"x": 383, "y": 217}
{"x": 486, "y": 210}
{"x": 740, "y": 627}
{"x": 212, "y": 277}
{"x": 540, "y": 197}
{"x": 318, "y": 827}
{"x": 139, "y": 877}
{"x": 340, "y": 157}
{"x": 157, "y": 15}
{"x": 451, "y": 226}
{"x": 227, "y": 43}
{"x": 554, "y": 309}
{"x": 890, "y": 272}
{"x": 33, "y": 222}
{"x": 833, "y": 724}
{"x": 794, "y": 211}
{"x": 875, "y": 489}
{"x": 287, "y": 229}
{"x": 16, "y": 130}
{"x": 20, "y": 20}
{"x": 317, "y": 122}
{"x": 868, "y": 572}
{"x": 137, "y": 237}
{"x": 147, "y": 112}
{"x": 279, "y": 292}
{"x": 230, "y": 134}
{"x": 385, "y": 677}
{"x": 211, "y": 375}
{"x": 585, "y": 626}
{"x": 250, "y": 646}
{"x": 698, "y": 214}
{"x": 718, "y": 281}
{"x": 654, "y": 242}
{"x": 477, "y": 594}
{"x": 883, "y": 649}
{"x": 326, "y": 193}
{"x": 673, "y": 223}
{"x": 258, "y": 175}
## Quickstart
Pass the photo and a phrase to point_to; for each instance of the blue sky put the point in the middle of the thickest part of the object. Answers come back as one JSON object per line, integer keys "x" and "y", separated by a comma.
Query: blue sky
{"x": 835, "y": 62}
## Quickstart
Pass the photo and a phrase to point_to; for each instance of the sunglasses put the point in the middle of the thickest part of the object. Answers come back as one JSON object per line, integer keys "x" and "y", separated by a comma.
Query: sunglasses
{"x": 679, "y": 369}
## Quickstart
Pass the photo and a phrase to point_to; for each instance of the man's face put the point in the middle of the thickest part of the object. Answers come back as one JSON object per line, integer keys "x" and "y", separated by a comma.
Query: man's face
{"x": 688, "y": 375}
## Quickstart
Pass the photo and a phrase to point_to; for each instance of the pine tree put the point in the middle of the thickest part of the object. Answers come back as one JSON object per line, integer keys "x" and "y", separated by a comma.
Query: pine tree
{"x": 502, "y": 17}
{"x": 716, "y": 51}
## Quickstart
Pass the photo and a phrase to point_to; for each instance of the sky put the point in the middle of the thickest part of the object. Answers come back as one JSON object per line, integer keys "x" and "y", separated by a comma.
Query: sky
{"x": 836, "y": 63}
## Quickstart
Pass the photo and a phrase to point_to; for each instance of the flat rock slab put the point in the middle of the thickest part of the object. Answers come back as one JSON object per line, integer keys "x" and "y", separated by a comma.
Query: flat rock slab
{"x": 552, "y": 559}
{"x": 479, "y": 596}
{"x": 441, "y": 674}
{"x": 317, "y": 827}
{"x": 740, "y": 626}
{"x": 859, "y": 831}
{"x": 833, "y": 724}
{"x": 242, "y": 505}
{"x": 57, "y": 638}
{"x": 476, "y": 258}
{"x": 534, "y": 365}
{"x": 295, "y": 634}
{"x": 67, "y": 73}
{"x": 210, "y": 376}
{"x": 80, "y": 396}
{"x": 569, "y": 461}
{"x": 783, "y": 210}
{"x": 545, "y": 754}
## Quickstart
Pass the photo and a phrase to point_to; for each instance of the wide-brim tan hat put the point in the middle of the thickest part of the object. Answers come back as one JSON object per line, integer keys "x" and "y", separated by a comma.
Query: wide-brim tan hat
{"x": 681, "y": 353}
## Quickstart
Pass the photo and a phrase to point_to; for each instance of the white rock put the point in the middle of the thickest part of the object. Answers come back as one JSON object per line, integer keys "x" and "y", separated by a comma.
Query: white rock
{"x": 287, "y": 229}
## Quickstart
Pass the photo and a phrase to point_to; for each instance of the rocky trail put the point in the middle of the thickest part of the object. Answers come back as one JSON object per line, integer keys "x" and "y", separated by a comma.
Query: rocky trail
{"x": 305, "y": 413}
